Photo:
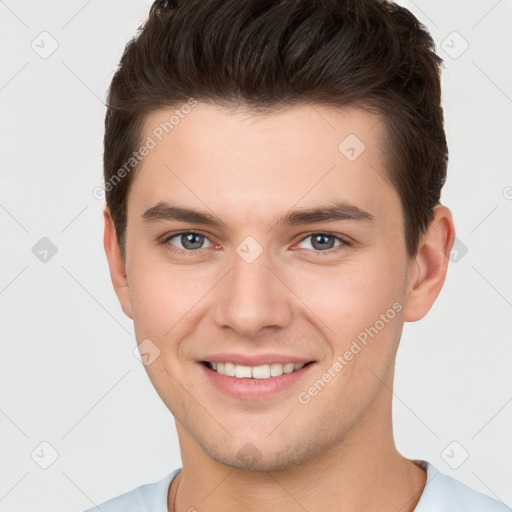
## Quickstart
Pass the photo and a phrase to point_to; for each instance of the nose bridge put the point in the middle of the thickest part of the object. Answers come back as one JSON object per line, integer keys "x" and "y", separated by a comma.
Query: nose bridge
{"x": 252, "y": 297}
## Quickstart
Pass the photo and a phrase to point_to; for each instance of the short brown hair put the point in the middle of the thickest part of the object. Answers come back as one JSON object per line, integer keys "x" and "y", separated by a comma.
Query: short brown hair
{"x": 265, "y": 54}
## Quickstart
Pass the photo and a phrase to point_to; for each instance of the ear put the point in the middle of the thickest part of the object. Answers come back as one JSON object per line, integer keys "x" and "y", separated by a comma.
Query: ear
{"x": 116, "y": 263}
{"x": 428, "y": 269}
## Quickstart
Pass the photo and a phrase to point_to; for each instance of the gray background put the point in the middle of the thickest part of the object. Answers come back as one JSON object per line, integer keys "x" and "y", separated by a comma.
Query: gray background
{"x": 68, "y": 376}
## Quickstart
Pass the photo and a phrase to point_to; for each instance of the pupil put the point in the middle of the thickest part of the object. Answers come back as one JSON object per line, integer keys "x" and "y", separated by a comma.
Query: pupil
{"x": 187, "y": 241}
{"x": 322, "y": 237}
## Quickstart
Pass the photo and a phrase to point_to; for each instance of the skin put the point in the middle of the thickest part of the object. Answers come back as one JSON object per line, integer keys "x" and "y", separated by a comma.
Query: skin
{"x": 249, "y": 171}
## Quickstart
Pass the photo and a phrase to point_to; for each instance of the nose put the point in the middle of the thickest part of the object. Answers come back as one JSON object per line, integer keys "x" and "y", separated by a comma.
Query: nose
{"x": 253, "y": 297}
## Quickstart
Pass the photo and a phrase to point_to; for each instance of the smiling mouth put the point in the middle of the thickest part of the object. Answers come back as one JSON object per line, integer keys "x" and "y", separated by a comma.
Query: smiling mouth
{"x": 265, "y": 371}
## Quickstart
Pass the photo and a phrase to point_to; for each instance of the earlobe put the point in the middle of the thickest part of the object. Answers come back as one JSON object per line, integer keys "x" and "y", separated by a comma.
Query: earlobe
{"x": 116, "y": 263}
{"x": 428, "y": 270}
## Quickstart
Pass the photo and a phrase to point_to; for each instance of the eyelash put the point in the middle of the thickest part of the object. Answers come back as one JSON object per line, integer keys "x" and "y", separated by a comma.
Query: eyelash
{"x": 168, "y": 246}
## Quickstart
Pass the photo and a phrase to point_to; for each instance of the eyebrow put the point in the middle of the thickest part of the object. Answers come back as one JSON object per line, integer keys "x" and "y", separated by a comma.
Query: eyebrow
{"x": 339, "y": 211}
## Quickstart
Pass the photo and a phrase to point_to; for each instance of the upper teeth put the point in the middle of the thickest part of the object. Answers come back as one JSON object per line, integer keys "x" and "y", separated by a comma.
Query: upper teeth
{"x": 256, "y": 372}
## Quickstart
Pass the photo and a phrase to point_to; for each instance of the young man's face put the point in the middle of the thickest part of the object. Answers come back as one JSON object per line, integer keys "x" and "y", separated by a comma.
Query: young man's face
{"x": 260, "y": 290}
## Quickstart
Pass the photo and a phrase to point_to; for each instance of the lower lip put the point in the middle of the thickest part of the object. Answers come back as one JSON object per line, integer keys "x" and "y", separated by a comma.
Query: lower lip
{"x": 254, "y": 389}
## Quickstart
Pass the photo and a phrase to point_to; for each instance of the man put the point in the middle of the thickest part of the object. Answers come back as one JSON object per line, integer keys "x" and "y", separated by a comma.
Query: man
{"x": 273, "y": 172}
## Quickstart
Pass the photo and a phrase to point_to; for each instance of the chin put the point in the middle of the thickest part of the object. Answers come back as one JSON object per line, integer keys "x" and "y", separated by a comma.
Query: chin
{"x": 250, "y": 457}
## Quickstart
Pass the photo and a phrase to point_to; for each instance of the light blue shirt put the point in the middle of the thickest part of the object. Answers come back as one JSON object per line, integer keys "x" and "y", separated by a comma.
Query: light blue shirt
{"x": 442, "y": 493}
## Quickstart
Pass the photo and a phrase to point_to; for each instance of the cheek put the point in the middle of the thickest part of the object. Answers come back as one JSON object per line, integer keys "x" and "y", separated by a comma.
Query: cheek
{"x": 164, "y": 295}
{"x": 351, "y": 296}
{"x": 155, "y": 296}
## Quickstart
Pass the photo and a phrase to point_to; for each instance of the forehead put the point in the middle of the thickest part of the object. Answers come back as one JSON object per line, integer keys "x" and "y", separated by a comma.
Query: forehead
{"x": 259, "y": 165}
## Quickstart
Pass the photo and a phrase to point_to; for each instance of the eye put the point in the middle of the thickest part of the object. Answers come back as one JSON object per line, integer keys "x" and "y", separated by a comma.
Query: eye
{"x": 187, "y": 241}
{"x": 324, "y": 242}
{"x": 190, "y": 242}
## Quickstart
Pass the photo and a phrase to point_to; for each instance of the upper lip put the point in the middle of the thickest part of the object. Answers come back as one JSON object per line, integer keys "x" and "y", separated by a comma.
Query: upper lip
{"x": 254, "y": 360}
